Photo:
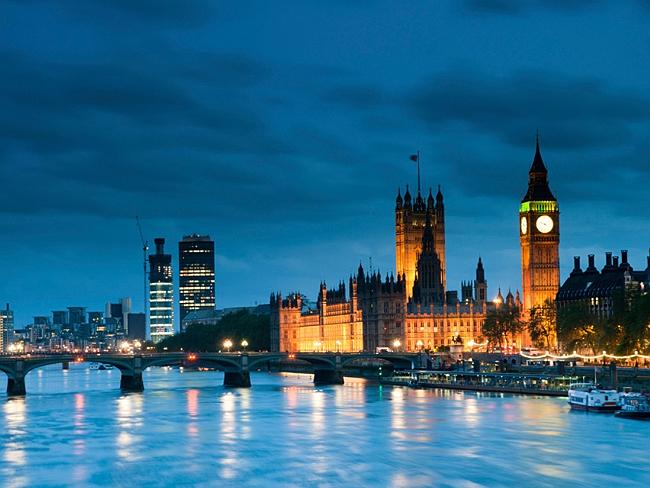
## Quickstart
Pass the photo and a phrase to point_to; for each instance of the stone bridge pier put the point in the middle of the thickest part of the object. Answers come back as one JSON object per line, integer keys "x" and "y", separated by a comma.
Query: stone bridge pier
{"x": 239, "y": 377}
{"x": 131, "y": 379}
{"x": 16, "y": 380}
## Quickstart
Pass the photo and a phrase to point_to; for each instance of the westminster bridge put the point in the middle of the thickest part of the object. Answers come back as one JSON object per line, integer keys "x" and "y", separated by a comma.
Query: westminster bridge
{"x": 327, "y": 367}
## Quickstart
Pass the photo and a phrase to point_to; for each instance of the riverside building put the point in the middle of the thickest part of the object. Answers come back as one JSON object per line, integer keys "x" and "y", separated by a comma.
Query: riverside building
{"x": 161, "y": 293}
{"x": 195, "y": 275}
{"x": 597, "y": 290}
{"x": 413, "y": 309}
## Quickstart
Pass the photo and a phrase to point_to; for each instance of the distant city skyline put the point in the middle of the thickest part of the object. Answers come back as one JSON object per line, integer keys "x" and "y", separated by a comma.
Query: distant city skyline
{"x": 285, "y": 133}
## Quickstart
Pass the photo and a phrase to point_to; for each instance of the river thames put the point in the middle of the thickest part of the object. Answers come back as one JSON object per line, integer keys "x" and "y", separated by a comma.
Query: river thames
{"x": 76, "y": 428}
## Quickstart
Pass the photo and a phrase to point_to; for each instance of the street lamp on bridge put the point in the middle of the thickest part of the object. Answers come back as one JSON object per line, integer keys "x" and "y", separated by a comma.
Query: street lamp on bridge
{"x": 244, "y": 344}
{"x": 227, "y": 344}
{"x": 396, "y": 344}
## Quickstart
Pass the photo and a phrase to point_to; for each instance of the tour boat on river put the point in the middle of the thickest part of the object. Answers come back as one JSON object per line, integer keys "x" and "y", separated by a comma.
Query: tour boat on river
{"x": 634, "y": 406}
{"x": 100, "y": 366}
{"x": 587, "y": 396}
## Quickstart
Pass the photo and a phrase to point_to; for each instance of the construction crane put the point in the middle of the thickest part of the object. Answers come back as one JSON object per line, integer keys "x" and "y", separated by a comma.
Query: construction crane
{"x": 145, "y": 248}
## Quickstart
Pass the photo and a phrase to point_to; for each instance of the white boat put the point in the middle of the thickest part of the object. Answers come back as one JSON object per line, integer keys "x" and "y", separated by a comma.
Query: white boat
{"x": 587, "y": 396}
{"x": 100, "y": 366}
{"x": 634, "y": 406}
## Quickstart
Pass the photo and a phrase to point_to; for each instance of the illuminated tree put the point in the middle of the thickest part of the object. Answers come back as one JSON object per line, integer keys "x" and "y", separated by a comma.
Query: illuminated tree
{"x": 500, "y": 323}
{"x": 542, "y": 325}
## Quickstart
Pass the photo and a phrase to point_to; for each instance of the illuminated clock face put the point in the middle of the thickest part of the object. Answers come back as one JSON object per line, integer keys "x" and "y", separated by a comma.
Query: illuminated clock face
{"x": 524, "y": 225}
{"x": 544, "y": 224}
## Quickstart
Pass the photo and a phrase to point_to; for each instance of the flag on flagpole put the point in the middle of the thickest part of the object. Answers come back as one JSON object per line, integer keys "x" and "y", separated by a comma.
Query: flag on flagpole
{"x": 413, "y": 157}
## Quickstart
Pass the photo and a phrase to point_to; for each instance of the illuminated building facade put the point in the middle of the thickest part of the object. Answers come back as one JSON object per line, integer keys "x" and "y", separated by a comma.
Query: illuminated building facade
{"x": 539, "y": 236}
{"x": 336, "y": 325}
{"x": 196, "y": 275}
{"x": 161, "y": 293}
{"x": 412, "y": 311}
{"x": 598, "y": 290}
{"x": 7, "y": 319}
{"x": 119, "y": 314}
{"x": 411, "y": 219}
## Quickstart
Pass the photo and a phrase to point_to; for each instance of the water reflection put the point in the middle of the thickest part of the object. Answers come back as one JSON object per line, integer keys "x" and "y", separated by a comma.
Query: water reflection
{"x": 185, "y": 429}
{"x": 228, "y": 436}
{"x": 129, "y": 419}
{"x": 79, "y": 425}
{"x": 14, "y": 449}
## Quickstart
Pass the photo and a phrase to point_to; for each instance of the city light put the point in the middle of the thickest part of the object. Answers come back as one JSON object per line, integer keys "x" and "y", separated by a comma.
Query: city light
{"x": 419, "y": 344}
{"x": 244, "y": 344}
{"x": 227, "y": 344}
{"x": 575, "y": 355}
{"x": 396, "y": 344}
{"x": 317, "y": 345}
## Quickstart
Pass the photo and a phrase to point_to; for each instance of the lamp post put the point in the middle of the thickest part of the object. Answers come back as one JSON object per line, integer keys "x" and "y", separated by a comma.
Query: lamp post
{"x": 338, "y": 346}
{"x": 396, "y": 344}
{"x": 244, "y": 344}
{"x": 419, "y": 344}
{"x": 317, "y": 345}
{"x": 227, "y": 344}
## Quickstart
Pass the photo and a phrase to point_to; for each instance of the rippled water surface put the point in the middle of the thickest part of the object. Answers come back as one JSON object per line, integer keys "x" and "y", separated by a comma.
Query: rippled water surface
{"x": 76, "y": 428}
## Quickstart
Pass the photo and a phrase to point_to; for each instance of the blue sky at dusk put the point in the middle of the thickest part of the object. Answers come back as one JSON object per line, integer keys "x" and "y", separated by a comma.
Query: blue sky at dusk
{"x": 283, "y": 130}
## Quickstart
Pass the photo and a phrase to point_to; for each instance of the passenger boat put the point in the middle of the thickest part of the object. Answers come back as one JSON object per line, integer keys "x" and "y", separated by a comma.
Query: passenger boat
{"x": 100, "y": 366}
{"x": 587, "y": 396}
{"x": 634, "y": 406}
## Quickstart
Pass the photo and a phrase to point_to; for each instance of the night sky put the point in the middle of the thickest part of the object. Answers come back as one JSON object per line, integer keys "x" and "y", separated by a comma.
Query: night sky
{"x": 283, "y": 130}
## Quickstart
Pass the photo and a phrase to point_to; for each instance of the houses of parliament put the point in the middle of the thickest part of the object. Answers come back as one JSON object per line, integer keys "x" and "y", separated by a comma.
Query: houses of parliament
{"x": 414, "y": 306}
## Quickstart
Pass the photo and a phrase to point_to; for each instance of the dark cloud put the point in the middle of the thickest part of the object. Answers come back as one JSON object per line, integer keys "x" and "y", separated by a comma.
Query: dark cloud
{"x": 572, "y": 112}
{"x": 189, "y": 13}
{"x": 516, "y": 7}
{"x": 356, "y": 97}
{"x": 285, "y": 138}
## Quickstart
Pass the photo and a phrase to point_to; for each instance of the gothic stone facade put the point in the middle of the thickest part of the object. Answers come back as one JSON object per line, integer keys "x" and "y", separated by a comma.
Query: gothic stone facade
{"x": 415, "y": 307}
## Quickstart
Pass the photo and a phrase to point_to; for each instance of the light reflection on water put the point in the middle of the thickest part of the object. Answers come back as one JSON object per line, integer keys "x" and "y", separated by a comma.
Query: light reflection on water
{"x": 76, "y": 428}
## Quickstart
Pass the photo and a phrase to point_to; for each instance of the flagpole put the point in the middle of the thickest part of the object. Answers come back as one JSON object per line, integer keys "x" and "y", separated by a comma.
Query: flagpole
{"x": 418, "y": 172}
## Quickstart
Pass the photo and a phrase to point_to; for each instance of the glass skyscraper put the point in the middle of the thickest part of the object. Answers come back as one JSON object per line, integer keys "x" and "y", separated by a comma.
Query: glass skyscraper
{"x": 161, "y": 293}
{"x": 196, "y": 274}
{"x": 7, "y": 328}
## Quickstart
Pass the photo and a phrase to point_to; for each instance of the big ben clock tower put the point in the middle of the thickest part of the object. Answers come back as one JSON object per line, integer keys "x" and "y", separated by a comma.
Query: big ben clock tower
{"x": 539, "y": 235}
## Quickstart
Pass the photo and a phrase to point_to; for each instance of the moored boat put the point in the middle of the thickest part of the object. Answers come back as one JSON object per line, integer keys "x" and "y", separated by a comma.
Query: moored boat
{"x": 588, "y": 397}
{"x": 634, "y": 406}
{"x": 100, "y": 366}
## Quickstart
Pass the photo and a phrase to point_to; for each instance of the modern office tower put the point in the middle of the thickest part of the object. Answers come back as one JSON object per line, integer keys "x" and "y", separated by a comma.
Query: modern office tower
{"x": 95, "y": 318}
{"x": 59, "y": 318}
{"x": 137, "y": 326}
{"x": 196, "y": 274}
{"x": 119, "y": 312}
{"x": 161, "y": 293}
{"x": 7, "y": 316}
{"x": 76, "y": 316}
{"x": 42, "y": 320}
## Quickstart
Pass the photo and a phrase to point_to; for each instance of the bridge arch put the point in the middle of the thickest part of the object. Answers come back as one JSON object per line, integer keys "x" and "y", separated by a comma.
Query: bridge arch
{"x": 163, "y": 361}
{"x": 398, "y": 362}
{"x": 327, "y": 362}
{"x": 253, "y": 361}
{"x": 32, "y": 365}
{"x": 7, "y": 370}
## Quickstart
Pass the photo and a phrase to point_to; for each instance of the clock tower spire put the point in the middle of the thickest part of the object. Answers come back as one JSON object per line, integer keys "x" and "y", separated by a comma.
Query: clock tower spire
{"x": 539, "y": 237}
